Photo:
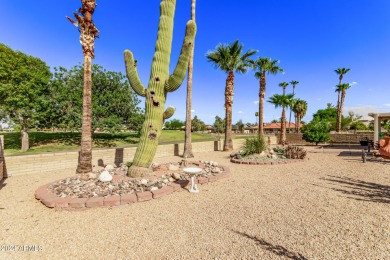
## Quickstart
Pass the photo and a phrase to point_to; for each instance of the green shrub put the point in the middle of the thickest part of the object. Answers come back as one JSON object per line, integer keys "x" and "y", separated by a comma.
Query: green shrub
{"x": 279, "y": 149}
{"x": 316, "y": 132}
{"x": 253, "y": 145}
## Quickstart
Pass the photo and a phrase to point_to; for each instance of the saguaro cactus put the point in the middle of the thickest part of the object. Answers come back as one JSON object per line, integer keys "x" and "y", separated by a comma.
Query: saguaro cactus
{"x": 160, "y": 83}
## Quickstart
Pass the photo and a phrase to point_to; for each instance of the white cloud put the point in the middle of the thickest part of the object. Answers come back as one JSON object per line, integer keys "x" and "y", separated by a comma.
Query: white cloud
{"x": 240, "y": 112}
{"x": 353, "y": 83}
{"x": 364, "y": 110}
{"x": 387, "y": 105}
{"x": 256, "y": 102}
{"x": 192, "y": 111}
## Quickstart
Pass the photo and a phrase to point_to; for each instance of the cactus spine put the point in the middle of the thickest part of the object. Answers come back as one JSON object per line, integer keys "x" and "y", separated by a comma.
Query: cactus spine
{"x": 160, "y": 83}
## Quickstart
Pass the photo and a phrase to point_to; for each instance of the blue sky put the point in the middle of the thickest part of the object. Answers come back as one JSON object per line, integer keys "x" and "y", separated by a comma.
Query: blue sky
{"x": 310, "y": 38}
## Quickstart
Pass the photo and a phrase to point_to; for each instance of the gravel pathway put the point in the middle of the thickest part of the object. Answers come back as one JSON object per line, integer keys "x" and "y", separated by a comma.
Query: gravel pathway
{"x": 330, "y": 207}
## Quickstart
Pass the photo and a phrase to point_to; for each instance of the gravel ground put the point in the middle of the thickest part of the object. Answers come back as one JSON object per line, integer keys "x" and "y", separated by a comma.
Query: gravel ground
{"x": 330, "y": 207}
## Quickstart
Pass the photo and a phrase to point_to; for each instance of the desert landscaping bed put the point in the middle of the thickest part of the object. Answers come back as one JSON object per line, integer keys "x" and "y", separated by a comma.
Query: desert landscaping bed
{"x": 266, "y": 162}
{"x": 333, "y": 206}
{"x": 88, "y": 191}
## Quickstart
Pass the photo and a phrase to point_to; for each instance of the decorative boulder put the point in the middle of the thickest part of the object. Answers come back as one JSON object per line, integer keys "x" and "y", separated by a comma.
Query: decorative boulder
{"x": 173, "y": 167}
{"x": 105, "y": 176}
{"x": 176, "y": 176}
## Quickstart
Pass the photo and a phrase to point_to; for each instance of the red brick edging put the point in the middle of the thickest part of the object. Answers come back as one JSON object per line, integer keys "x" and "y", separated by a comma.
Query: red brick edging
{"x": 238, "y": 161}
{"x": 50, "y": 200}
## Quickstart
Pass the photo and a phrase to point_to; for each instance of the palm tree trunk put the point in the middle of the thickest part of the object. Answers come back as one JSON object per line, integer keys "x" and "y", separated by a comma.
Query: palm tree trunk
{"x": 88, "y": 33}
{"x": 343, "y": 92}
{"x": 228, "y": 144}
{"x": 85, "y": 159}
{"x": 338, "y": 122}
{"x": 289, "y": 120}
{"x": 296, "y": 122}
{"x": 187, "y": 141}
{"x": 283, "y": 127}
{"x": 261, "y": 104}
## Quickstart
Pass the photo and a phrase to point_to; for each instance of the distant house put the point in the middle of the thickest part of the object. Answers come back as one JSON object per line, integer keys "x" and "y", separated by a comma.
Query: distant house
{"x": 247, "y": 130}
{"x": 235, "y": 129}
{"x": 210, "y": 128}
{"x": 366, "y": 122}
{"x": 274, "y": 128}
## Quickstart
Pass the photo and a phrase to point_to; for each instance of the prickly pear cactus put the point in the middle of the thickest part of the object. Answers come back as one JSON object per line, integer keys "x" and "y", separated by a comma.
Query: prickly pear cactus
{"x": 160, "y": 83}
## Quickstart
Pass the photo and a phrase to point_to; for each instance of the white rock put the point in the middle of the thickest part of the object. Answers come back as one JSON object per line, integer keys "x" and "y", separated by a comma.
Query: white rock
{"x": 153, "y": 189}
{"x": 109, "y": 167}
{"x": 105, "y": 176}
{"x": 216, "y": 170}
{"x": 274, "y": 156}
{"x": 215, "y": 164}
{"x": 173, "y": 167}
{"x": 155, "y": 165}
{"x": 143, "y": 182}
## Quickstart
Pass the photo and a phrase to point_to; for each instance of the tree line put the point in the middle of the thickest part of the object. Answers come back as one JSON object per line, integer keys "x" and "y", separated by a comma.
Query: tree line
{"x": 33, "y": 97}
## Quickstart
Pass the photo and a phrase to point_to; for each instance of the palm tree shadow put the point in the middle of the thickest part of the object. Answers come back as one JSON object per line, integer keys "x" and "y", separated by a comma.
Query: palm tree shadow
{"x": 361, "y": 190}
{"x": 2, "y": 184}
{"x": 276, "y": 249}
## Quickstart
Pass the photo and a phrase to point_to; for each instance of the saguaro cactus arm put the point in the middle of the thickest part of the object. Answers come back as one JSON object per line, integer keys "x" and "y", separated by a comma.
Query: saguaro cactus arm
{"x": 132, "y": 75}
{"x": 169, "y": 112}
{"x": 176, "y": 79}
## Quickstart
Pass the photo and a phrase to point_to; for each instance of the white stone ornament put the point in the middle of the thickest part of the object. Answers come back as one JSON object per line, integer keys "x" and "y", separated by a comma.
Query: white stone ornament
{"x": 105, "y": 176}
{"x": 193, "y": 171}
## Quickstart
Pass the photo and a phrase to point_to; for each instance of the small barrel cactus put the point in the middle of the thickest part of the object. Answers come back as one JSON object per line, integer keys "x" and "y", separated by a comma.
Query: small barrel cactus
{"x": 295, "y": 152}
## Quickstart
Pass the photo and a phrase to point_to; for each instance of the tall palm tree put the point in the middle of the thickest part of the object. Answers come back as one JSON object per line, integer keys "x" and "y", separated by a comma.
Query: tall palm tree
{"x": 230, "y": 58}
{"x": 282, "y": 101}
{"x": 293, "y": 83}
{"x": 187, "y": 141}
{"x": 341, "y": 88}
{"x": 284, "y": 86}
{"x": 264, "y": 66}
{"x": 299, "y": 107}
{"x": 88, "y": 33}
{"x": 341, "y": 72}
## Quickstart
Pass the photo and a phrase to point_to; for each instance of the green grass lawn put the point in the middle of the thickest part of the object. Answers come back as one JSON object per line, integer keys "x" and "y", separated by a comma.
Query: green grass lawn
{"x": 70, "y": 141}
